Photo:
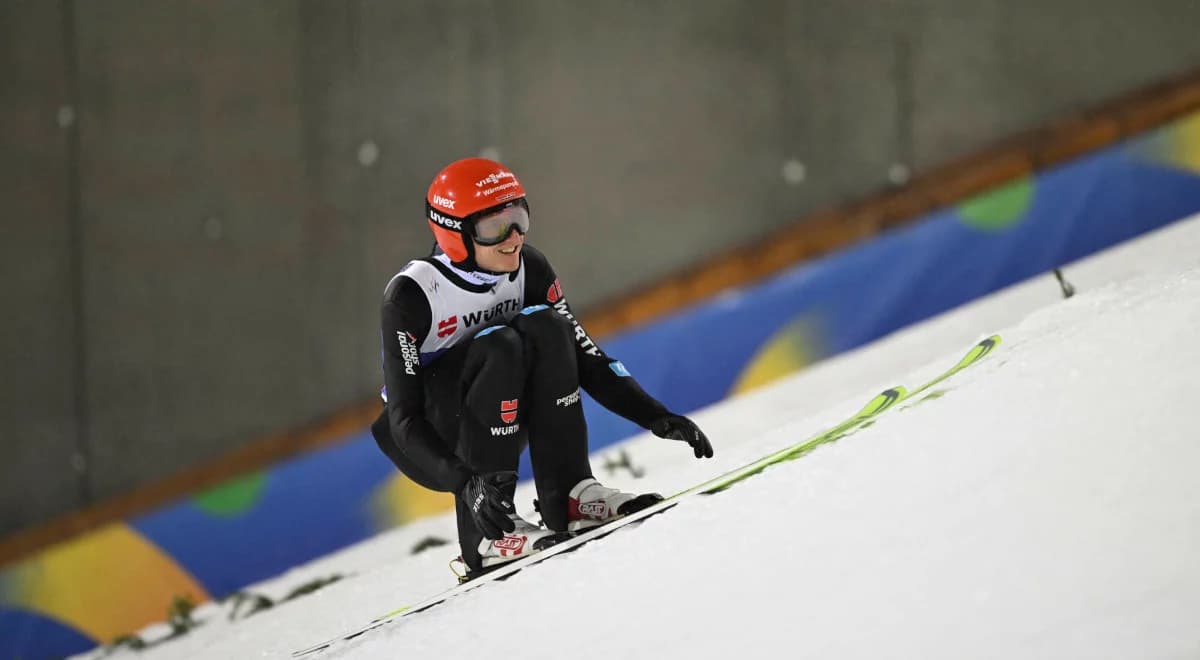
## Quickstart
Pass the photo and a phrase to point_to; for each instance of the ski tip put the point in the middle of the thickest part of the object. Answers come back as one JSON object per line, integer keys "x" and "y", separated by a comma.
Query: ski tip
{"x": 887, "y": 398}
{"x": 985, "y": 346}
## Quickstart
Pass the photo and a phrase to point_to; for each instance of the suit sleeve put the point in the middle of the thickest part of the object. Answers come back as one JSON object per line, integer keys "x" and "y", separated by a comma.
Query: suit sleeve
{"x": 604, "y": 378}
{"x": 406, "y": 319}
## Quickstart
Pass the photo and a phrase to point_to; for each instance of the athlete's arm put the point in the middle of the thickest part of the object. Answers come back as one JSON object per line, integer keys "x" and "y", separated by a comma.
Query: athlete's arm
{"x": 406, "y": 321}
{"x": 600, "y": 375}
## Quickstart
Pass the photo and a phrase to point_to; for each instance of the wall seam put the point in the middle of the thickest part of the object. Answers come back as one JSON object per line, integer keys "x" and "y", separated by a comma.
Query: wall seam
{"x": 81, "y": 462}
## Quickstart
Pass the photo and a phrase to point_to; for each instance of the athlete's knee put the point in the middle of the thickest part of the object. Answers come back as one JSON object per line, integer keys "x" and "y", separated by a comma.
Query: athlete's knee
{"x": 382, "y": 432}
{"x": 544, "y": 326}
{"x": 498, "y": 343}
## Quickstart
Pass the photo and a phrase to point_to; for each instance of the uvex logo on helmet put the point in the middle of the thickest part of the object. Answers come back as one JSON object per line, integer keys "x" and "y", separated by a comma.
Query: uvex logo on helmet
{"x": 445, "y": 221}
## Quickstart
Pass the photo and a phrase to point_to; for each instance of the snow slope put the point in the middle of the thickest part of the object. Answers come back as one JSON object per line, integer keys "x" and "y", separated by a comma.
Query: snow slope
{"x": 1047, "y": 506}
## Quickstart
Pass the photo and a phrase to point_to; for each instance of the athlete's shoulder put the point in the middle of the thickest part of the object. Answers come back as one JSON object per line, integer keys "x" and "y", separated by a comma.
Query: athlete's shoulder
{"x": 535, "y": 260}
{"x": 541, "y": 282}
{"x": 408, "y": 285}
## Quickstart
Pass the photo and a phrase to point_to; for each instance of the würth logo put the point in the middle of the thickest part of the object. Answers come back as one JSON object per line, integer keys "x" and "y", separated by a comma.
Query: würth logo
{"x": 508, "y": 411}
{"x": 448, "y": 327}
{"x": 499, "y": 311}
{"x": 555, "y": 293}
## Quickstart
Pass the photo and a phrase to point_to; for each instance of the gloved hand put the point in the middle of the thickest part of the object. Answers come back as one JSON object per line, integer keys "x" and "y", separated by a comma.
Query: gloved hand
{"x": 485, "y": 496}
{"x": 677, "y": 427}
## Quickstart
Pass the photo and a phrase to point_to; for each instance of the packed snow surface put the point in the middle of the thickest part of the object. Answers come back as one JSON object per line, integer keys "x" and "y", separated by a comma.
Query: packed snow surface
{"x": 1047, "y": 505}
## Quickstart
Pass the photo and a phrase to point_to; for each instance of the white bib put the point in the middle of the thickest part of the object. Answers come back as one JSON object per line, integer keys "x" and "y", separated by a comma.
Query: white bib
{"x": 458, "y": 314}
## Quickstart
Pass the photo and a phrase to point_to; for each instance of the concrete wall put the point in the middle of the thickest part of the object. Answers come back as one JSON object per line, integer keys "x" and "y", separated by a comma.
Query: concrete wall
{"x": 196, "y": 259}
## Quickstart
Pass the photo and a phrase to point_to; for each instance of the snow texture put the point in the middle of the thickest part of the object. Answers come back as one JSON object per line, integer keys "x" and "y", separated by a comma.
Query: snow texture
{"x": 1046, "y": 506}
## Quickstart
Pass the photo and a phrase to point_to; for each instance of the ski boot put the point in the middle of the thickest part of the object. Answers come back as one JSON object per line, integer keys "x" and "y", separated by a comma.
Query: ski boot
{"x": 526, "y": 539}
{"x": 591, "y": 504}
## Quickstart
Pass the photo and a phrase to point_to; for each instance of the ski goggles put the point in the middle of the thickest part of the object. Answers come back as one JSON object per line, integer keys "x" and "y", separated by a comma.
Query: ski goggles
{"x": 493, "y": 227}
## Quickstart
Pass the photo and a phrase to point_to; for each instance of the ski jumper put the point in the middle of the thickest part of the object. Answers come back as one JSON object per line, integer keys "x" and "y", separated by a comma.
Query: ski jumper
{"x": 479, "y": 366}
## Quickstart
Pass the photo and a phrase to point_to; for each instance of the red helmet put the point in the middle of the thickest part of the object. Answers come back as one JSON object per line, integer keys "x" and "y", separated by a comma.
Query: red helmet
{"x": 463, "y": 191}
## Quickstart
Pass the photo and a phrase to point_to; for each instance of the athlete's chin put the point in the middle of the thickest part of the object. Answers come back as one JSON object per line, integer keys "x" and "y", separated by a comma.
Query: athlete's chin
{"x": 507, "y": 263}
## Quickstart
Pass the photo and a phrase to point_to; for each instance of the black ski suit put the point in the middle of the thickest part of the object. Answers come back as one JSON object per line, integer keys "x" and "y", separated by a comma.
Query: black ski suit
{"x": 476, "y": 368}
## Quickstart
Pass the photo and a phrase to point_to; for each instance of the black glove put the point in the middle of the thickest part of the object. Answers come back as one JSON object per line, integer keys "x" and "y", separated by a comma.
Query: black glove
{"x": 677, "y": 427}
{"x": 484, "y": 495}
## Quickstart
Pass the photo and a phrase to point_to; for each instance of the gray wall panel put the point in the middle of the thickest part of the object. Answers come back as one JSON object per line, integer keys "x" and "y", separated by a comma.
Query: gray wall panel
{"x": 200, "y": 325}
{"x": 37, "y": 392}
{"x": 987, "y": 69}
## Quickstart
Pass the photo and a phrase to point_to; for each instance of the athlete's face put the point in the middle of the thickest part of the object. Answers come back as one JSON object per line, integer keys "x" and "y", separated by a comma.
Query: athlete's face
{"x": 504, "y": 257}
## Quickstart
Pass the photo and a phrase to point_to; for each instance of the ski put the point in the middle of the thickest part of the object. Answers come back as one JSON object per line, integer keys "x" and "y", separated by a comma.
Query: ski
{"x": 885, "y": 400}
{"x": 882, "y": 402}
